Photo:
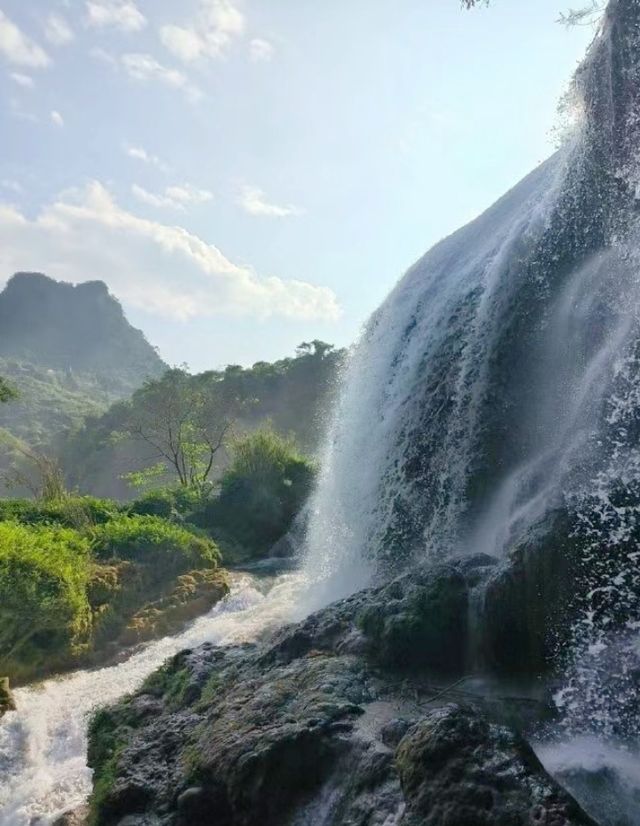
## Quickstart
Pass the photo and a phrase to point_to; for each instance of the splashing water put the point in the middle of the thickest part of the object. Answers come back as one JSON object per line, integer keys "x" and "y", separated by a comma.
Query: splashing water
{"x": 43, "y": 745}
{"x": 498, "y": 384}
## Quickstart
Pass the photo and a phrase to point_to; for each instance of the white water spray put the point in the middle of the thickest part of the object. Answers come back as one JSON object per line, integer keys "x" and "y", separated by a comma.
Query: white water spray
{"x": 43, "y": 744}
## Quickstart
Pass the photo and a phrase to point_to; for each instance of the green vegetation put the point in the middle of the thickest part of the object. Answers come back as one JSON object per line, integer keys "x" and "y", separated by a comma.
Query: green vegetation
{"x": 81, "y": 576}
{"x": 69, "y": 352}
{"x": 182, "y": 422}
{"x": 7, "y": 392}
{"x": 261, "y": 492}
{"x": 44, "y": 574}
{"x": 152, "y": 540}
{"x": 79, "y": 573}
{"x": 133, "y": 441}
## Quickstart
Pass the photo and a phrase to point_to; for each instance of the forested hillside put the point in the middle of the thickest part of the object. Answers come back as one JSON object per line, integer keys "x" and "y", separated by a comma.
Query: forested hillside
{"x": 69, "y": 351}
{"x": 292, "y": 395}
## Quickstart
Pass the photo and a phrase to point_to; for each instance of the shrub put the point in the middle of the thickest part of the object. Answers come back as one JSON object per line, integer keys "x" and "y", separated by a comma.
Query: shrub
{"x": 155, "y": 503}
{"x": 71, "y": 512}
{"x": 43, "y": 580}
{"x": 261, "y": 492}
{"x": 152, "y": 540}
{"x": 178, "y": 503}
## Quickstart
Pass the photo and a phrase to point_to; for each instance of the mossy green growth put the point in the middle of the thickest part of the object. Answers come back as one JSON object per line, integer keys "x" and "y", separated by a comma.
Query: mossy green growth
{"x": 169, "y": 682}
{"x": 80, "y": 512}
{"x": 150, "y": 539}
{"x": 107, "y": 737}
{"x": 44, "y": 572}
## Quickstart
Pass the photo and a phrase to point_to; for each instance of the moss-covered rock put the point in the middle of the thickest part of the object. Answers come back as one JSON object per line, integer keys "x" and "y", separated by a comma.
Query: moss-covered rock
{"x": 306, "y": 728}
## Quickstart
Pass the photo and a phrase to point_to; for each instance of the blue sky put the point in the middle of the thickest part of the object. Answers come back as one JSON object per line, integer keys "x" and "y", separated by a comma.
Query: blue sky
{"x": 249, "y": 174}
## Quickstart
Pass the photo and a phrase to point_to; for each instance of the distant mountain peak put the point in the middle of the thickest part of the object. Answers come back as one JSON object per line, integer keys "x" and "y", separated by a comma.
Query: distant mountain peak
{"x": 82, "y": 327}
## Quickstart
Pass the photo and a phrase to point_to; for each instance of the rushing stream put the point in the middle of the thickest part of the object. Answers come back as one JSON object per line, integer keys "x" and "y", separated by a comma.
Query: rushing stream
{"x": 43, "y": 745}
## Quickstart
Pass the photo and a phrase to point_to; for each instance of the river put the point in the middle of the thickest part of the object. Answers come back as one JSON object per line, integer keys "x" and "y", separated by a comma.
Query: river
{"x": 43, "y": 745}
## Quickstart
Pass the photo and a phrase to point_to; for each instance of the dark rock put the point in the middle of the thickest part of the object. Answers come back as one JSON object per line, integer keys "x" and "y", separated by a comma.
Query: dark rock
{"x": 527, "y": 604}
{"x": 303, "y": 729}
{"x": 457, "y": 768}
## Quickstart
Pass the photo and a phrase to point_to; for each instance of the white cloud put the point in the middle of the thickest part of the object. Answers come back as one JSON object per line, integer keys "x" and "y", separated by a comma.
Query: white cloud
{"x": 254, "y": 201}
{"x": 119, "y": 14}
{"x": 57, "y": 119}
{"x": 189, "y": 194}
{"x": 210, "y": 35}
{"x": 57, "y": 30}
{"x": 261, "y": 51}
{"x": 145, "y": 68}
{"x": 26, "y": 81}
{"x": 173, "y": 197}
{"x": 160, "y": 268}
{"x": 19, "y": 49}
{"x": 139, "y": 153}
{"x": 158, "y": 201}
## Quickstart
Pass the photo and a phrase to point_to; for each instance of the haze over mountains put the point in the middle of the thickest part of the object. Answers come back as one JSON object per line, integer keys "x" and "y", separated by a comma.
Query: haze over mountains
{"x": 70, "y": 352}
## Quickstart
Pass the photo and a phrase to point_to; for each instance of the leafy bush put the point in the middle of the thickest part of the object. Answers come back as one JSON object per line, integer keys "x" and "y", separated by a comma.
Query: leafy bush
{"x": 155, "y": 503}
{"x": 152, "y": 540}
{"x": 261, "y": 492}
{"x": 71, "y": 512}
{"x": 43, "y": 580}
{"x": 171, "y": 503}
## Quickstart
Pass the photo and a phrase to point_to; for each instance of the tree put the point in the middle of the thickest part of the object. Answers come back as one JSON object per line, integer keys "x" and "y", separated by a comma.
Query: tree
{"x": 7, "y": 392}
{"x": 33, "y": 470}
{"x": 184, "y": 421}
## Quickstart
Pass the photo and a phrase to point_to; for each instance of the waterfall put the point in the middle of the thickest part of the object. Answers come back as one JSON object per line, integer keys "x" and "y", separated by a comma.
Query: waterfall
{"x": 500, "y": 382}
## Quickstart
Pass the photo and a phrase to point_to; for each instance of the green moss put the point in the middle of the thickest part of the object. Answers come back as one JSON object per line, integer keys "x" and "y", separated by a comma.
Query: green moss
{"x": 169, "y": 683}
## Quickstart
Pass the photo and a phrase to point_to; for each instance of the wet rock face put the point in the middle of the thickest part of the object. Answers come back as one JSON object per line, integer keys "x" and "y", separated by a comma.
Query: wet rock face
{"x": 457, "y": 768}
{"x": 322, "y": 725}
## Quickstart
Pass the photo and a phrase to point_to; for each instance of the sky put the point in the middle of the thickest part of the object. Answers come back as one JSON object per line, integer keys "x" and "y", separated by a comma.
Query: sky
{"x": 246, "y": 175}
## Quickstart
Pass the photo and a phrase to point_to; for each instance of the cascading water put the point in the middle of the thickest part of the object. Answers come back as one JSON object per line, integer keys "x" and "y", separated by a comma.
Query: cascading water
{"x": 43, "y": 771}
{"x": 500, "y": 383}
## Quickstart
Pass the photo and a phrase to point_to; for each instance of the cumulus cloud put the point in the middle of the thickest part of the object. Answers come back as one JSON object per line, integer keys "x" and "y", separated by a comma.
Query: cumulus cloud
{"x": 173, "y": 197}
{"x": 57, "y": 119}
{"x": 145, "y": 68}
{"x": 19, "y": 49}
{"x": 160, "y": 268}
{"x": 119, "y": 14}
{"x": 254, "y": 201}
{"x": 261, "y": 51}
{"x": 57, "y": 30}
{"x": 26, "y": 81}
{"x": 209, "y": 35}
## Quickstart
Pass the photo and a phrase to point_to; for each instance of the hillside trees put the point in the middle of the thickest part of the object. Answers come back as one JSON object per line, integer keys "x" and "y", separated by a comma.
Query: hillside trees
{"x": 183, "y": 422}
